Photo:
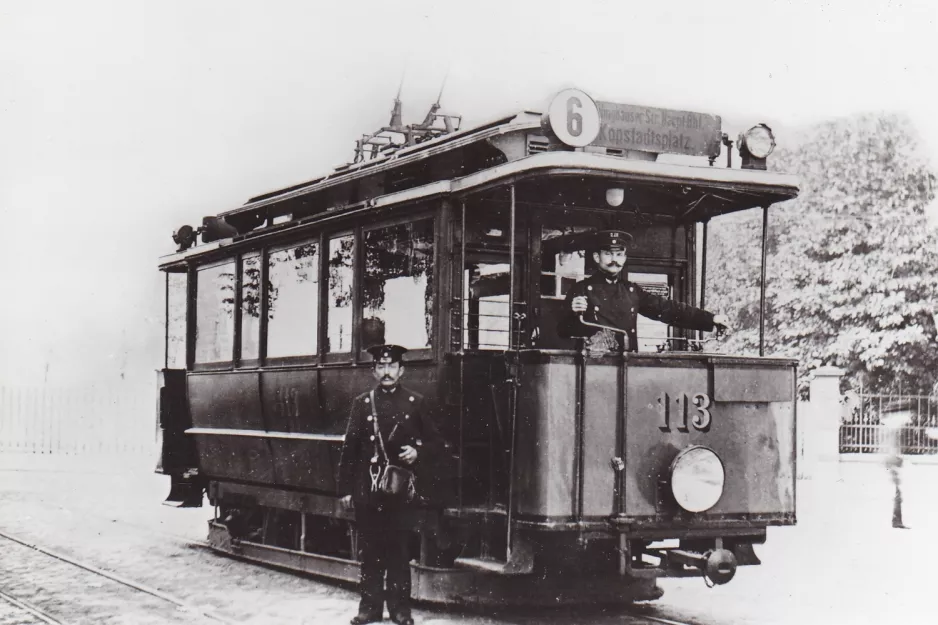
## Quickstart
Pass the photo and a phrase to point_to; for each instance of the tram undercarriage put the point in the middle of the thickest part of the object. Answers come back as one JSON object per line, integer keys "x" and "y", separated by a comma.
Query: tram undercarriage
{"x": 466, "y": 561}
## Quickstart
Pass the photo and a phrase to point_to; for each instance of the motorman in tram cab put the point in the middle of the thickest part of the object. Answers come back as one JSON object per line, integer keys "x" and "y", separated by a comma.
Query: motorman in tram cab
{"x": 387, "y": 426}
{"x": 607, "y": 298}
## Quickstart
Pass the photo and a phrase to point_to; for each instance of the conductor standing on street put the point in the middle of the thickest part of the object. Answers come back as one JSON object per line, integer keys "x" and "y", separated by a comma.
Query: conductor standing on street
{"x": 386, "y": 426}
{"x": 607, "y": 298}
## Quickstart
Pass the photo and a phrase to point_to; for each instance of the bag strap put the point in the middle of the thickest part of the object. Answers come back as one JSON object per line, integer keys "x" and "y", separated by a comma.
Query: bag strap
{"x": 374, "y": 421}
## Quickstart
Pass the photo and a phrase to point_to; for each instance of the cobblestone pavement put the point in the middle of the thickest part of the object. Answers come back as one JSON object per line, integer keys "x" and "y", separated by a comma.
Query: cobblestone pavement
{"x": 107, "y": 512}
{"x": 10, "y": 614}
{"x": 59, "y": 588}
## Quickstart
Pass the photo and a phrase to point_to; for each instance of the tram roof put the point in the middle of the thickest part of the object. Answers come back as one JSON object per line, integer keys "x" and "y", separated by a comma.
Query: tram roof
{"x": 696, "y": 192}
{"x": 678, "y": 192}
{"x": 784, "y": 186}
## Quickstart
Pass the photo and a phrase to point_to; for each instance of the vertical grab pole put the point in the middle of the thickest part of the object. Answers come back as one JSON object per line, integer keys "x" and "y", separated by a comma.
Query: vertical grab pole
{"x": 511, "y": 273}
{"x": 765, "y": 244}
{"x": 579, "y": 411}
{"x": 513, "y": 410}
{"x": 703, "y": 272}
{"x": 462, "y": 355}
{"x": 166, "y": 328}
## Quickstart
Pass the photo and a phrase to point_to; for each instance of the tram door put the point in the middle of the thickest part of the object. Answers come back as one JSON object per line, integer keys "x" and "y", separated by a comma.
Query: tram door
{"x": 486, "y": 387}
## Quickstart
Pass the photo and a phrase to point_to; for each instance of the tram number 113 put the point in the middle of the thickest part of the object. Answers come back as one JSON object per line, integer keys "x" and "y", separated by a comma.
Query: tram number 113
{"x": 676, "y": 409}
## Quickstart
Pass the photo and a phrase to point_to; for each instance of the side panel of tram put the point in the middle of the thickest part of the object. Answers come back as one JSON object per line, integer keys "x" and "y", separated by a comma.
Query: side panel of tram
{"x": 278, "y": 428}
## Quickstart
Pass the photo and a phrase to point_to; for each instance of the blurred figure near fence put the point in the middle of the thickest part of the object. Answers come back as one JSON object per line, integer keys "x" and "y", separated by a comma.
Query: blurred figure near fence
{"x": 895, "y": 415}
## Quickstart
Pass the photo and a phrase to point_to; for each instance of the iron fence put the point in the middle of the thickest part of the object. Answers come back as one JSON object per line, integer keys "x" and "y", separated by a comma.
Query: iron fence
{"x": 45, "y": 420}
{"x": 862, "y": 431}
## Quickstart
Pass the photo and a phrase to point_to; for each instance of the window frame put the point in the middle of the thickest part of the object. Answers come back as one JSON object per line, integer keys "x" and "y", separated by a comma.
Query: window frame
{"x": 493, "y": 257}
{"x": 185, "y": 314}
{"x": 250, "y": 363}
{"x": 428, "y": 353}
{"x": 343, "y": 357}
{"x": 193, "y": 316}
{"x": 304, "y": 359}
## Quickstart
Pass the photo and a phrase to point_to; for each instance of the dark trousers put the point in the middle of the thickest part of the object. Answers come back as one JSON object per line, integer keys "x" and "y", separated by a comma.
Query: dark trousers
{"x": 897, "y": 499}
{"x": 384, "y": 549}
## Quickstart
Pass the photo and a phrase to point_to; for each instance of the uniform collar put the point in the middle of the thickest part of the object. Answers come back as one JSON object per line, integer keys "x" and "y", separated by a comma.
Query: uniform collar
{"x": 602, "y": 278}
{"x": 390, "y": 391}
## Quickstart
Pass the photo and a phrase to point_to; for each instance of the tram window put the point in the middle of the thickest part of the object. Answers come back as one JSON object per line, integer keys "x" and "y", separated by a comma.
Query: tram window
{"x": 176, "y": 294}
{"x": 485, "y": 305}
{"x": 339, "y": 299}
{"x": 214, "y": 321}
{"x": 250, "y": 307}
{"x": 398, "y": 285}
{"x": 293, "y": 300}
{"x": 565, "y": 270}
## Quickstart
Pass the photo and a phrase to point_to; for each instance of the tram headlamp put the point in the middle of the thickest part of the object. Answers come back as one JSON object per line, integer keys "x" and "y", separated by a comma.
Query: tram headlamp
{"x": 755, "y": 146}
{"x": 697, "y": 478}
{"x": 615, "y": 196}
{"x": 184, "y": 238}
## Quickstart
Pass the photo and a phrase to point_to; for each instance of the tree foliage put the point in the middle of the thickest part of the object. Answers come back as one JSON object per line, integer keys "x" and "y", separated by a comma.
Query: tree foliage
{"x": 852, "y": 262}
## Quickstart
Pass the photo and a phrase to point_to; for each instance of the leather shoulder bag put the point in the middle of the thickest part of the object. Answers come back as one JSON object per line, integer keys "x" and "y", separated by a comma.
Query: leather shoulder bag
{"x": 395, "y": 482}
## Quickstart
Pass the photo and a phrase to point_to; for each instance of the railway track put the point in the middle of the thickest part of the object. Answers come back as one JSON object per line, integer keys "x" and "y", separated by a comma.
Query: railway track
{"x": 53, "y": 587}
{"x": 38, "y": 603}
{"x": 25, "y": 613}
{"x": 47, "y": 586}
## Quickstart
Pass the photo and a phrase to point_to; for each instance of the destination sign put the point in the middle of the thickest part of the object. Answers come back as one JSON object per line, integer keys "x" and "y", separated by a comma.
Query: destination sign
{"x": 648, "y": 129}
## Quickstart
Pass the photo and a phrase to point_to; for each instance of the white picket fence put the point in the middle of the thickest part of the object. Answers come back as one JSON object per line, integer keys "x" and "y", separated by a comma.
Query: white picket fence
{"x": 43, "y": 420}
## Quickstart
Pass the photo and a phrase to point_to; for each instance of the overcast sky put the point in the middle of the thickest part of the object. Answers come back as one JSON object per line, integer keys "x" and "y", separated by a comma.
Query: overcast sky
{"x": 121, "y": 120}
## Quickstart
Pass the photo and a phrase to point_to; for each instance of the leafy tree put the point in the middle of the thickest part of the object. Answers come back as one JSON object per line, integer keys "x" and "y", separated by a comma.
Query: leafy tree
{"x": 852, "y": 262}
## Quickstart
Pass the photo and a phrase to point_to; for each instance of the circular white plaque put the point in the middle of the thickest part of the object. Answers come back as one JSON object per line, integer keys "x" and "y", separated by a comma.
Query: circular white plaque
{"x": 574, "y": 118}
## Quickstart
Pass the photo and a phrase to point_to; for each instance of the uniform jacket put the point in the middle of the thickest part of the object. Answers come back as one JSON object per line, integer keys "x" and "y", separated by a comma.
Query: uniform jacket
{"x": 619, "y": 303}
{"x": 402, "y": 420}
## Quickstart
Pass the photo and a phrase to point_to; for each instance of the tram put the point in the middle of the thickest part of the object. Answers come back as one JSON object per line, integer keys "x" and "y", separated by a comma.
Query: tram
{"x": 569, "y": 475}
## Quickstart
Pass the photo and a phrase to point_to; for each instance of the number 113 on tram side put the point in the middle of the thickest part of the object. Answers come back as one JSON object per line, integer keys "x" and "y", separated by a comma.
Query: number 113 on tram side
{"x": 571, "y": 473}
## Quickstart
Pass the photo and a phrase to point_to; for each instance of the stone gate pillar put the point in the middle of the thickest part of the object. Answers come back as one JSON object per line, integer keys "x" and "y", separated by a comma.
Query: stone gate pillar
{"x": 821, "y": 426}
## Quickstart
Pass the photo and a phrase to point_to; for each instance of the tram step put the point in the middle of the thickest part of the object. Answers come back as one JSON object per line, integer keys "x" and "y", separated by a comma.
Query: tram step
{"x": 521, "y": 563}
{"x": 482, "y": 564}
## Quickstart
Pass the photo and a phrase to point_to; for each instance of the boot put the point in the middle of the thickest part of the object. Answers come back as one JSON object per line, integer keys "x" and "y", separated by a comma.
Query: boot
{"x": 367, "y": 617}
{"x": 897, "y": 511}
